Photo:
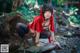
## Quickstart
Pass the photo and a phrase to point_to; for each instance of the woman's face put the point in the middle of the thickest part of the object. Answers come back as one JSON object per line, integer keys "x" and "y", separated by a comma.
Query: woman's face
{"x": 47, "y": 15}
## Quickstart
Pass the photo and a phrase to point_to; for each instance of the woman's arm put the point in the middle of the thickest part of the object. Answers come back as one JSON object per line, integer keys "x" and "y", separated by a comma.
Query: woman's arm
{"x": 53, "y": 37}
{"x": 37, "y": 37}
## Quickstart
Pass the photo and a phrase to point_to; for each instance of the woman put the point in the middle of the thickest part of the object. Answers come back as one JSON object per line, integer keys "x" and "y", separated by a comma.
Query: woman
{"x": 40, "y": 23}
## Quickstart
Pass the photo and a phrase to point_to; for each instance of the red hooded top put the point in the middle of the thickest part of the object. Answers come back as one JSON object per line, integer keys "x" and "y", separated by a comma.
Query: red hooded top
{"x": 36, "y": 25}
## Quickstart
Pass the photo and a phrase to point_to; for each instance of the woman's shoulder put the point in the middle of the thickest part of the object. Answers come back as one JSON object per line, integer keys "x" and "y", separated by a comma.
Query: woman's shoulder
{"x": 37, "y": 18}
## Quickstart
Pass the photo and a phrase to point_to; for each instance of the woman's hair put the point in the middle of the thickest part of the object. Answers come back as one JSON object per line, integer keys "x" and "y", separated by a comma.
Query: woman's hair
{"x": 47, "y": 7}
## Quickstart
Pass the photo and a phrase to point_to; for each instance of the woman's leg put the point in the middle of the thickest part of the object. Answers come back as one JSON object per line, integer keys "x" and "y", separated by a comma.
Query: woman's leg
{"x": 22, "y": 30}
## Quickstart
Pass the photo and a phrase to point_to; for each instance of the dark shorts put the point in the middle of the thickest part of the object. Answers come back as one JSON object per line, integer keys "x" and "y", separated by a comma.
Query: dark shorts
{"x": 22, "y": 29}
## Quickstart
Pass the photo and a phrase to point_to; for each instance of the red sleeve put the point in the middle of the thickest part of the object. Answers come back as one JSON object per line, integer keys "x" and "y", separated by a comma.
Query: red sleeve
{"x": 36, "y": 25}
